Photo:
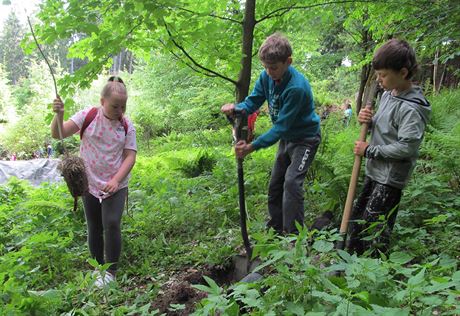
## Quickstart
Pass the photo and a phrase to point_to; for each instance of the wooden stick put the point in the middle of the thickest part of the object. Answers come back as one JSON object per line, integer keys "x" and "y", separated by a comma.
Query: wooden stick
{"x": 44, "y": 56}
{"x": 60, "y": 130}
{"x": 355, "y": 174}
{"x": 54, "y": 80}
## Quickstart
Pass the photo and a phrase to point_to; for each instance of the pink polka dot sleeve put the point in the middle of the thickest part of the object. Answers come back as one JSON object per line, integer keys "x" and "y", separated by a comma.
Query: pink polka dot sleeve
{"x": 79, "y": 117}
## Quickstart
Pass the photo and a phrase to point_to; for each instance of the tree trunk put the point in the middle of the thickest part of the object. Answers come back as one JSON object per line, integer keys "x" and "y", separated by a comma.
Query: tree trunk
{"x": 130, "y": 64}
{"x": 117, "y": 69}
{"x": 366, "y": 70}
{"x": 442, "y": 78}
{"x": 435, "y": 71}
{"x": 120, "y": 61}
{"x": 114, "y": 65}
{"x": 370, "y": 89}
{"x": 362, "y": 85}
{"x": 244, "y": 78}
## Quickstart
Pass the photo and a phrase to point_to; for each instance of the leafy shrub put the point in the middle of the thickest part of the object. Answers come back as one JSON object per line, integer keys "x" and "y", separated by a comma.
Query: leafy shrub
{"x": 304, "y": 279}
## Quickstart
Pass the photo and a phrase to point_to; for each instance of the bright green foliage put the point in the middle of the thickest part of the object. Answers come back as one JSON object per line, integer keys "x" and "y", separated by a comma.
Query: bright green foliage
{"x": 206, "y": 36}
{"x": 5, "y": 96}
{"x": 183, "y": 212}
{"x": 32, "y": 98}
{"x": 183, "y": 209}
{"x": 34, "y": 238}
{"x": 303, "y": 280}
{"x": 171, "y": 98}
{"x": 430, "y": 25}
{"x": 137, "y": 25}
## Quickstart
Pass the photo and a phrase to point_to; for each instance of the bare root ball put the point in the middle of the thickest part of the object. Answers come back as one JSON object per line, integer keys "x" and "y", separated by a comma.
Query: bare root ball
{"x": 73, "y": 170}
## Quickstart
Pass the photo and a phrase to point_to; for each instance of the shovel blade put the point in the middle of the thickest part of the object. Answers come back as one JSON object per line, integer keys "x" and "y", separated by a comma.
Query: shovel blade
{"x": 243, "y": 266}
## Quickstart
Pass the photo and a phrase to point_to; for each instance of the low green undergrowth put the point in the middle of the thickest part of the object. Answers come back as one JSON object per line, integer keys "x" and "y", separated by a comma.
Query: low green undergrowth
{"x": 311, "y": 278}
{"x": 183, "y": 212}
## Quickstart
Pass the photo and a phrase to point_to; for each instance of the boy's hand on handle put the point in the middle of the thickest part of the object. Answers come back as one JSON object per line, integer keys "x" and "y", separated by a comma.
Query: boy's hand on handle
{"x": 360, "y": 148}
{"x": 228, "y": 109}
{"x": 58, "y": 105}
{"x": 365, "y": 115}
{"x": 242, "y": 149}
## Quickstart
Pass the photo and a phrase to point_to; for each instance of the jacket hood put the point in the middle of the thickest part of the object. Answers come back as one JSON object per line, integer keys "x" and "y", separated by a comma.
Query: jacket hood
{"x": 415, "y": 98}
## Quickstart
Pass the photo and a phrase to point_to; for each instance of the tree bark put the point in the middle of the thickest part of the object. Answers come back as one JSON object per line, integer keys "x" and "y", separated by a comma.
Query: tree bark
{"x": 442, "y": 78}
{"x": 366, "y": 70}
{"x": 244, "y": 77}
{"x": 130, "y": 64}
{"x": 370, "y": 89}
{"x": 362, "y": 85}
{"x": 119, "y": 62}
{"x": 435, "y": 71}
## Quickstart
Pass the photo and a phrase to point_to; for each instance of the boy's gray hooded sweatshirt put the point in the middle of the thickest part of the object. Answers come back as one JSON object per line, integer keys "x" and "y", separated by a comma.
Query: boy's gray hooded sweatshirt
{"x": 396, "y": 133}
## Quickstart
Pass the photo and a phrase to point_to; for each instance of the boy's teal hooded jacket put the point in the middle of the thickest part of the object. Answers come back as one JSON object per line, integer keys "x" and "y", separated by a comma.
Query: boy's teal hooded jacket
{"x": 396, "y": 133}
{"x": 291, "y": 108}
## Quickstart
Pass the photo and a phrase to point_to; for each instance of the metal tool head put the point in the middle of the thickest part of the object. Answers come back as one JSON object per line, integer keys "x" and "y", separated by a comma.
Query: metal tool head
{"x": 240, "y": 125}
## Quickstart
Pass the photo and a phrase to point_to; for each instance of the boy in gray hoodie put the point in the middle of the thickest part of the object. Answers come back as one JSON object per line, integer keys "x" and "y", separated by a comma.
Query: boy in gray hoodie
{"x": 397, "y": 130}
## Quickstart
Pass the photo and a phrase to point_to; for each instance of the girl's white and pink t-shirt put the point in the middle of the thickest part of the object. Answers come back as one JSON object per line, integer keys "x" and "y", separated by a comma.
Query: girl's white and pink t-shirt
{"x": 102, "y": 148}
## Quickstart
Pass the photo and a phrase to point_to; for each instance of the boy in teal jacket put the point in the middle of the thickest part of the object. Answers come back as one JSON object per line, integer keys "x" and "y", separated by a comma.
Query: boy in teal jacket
{"x": 295, "y": 125}
{"x": 397, "y": 131}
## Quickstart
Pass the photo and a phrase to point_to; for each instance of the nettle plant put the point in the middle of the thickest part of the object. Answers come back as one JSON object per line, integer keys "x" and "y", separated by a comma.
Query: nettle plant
{"x": 305, "y": 274}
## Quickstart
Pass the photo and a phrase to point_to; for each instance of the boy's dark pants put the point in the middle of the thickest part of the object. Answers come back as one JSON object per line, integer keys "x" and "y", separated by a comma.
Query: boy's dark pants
{"x": 104, "y": 231}
{"x": 374, "y": 201}
{"x": 286, "y": 192}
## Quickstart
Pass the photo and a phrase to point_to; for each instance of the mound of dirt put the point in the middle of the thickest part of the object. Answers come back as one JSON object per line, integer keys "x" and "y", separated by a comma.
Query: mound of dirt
{"x": 178, "y": 289}
{"x": 178, "y": 293}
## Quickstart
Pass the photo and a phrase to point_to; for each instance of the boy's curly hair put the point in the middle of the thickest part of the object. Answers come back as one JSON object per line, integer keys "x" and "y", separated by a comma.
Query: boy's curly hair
{"x": 275, "y": 48}
{"x": 396, "y": 54}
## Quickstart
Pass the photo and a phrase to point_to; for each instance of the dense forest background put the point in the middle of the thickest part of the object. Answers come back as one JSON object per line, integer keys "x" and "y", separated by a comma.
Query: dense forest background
{"x": 181, "y": 60}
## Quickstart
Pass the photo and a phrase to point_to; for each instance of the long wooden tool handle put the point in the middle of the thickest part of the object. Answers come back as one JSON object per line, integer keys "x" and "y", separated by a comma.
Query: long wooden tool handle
{"x": 355, "y": 174}
{"x": 353, "y": 183}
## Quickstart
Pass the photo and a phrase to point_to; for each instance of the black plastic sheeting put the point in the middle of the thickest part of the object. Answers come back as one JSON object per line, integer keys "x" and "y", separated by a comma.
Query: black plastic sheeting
{"x": 35, "y": 171}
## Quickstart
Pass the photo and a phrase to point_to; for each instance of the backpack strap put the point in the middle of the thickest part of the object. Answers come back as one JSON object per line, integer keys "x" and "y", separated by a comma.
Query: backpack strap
{"x": 88, "y": 119}
{"x": 125, "y": 124}
{"x": 92, "y": 115}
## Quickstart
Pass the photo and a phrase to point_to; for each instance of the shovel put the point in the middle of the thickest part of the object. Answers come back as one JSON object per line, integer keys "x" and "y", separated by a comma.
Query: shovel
{"x": 242, "y": 263}
{"x": 355, "y": 174}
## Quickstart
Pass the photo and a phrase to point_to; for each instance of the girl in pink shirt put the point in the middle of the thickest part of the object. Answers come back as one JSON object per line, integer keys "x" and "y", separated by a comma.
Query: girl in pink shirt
{"x": 108, "y": 148}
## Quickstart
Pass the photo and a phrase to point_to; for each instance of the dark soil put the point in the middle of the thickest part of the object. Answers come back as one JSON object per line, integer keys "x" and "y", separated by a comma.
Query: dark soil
{"x": 178, "y": 289}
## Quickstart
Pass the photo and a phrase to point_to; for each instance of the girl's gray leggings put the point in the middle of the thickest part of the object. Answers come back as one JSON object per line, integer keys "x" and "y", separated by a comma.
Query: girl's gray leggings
{"x": 104, "y": 229}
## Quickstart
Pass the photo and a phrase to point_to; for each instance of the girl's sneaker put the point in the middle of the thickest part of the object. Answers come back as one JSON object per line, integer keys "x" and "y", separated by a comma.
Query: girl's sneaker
{"x": 104, "y": 279}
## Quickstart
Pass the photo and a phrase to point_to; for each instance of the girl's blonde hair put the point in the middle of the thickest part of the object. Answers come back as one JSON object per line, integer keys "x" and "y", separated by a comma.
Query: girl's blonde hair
{"x": 114, "y": 85}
